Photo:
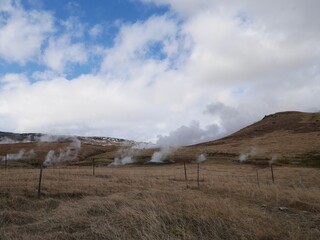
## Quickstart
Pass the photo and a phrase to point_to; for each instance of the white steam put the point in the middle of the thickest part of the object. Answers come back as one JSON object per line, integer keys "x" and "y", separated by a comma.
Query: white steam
{"x": 273, "y": 159}
{"x": 188, "y": 135}
{"x": 157, "y": 157}
{"x": 226, "y": 119}
{"x": 53, "y": 138}
{"x": 230, "y": 118}
{"x": 6, "y": 140}
{"x": 121, "y": 161}
{"x": 143, "y": 145}
{"x": 22, "y": 154}
{"x": 16, "y": 156}
{"x": 68, "y": 154}
{"x": 201, "y": 158}
{"x": 244, "y": 156}
{"x": 161, "y": 156}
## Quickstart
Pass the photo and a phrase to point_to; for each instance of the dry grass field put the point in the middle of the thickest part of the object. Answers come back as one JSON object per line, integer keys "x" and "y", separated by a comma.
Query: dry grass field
{"x": 155, "y": 202}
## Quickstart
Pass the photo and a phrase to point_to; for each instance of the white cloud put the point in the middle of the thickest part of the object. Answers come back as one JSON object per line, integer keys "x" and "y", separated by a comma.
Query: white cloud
{"x": 22, "y": 32}
{"x": 85, "y": 104}
{"x": 133, "y": 46}
{"x": 73, "y": 27}
{"x": 61, "y": 52}
{"x": 228, "y": 52}
{"x": 7, "y": 5}
{"x": 96, "y": 30}
{"x": 215, "y": 65}
{"x": 13, "y": 81}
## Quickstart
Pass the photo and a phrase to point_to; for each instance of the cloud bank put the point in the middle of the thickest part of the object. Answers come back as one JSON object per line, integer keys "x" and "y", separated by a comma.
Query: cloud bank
{"x": 199, "y": 71}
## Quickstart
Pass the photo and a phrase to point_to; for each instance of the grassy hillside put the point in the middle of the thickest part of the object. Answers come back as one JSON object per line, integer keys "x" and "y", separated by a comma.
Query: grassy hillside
{"x": 288, "y": 137}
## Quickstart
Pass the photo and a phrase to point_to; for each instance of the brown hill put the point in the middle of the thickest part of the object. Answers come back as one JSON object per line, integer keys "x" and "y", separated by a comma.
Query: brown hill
{"x": 294, "y": 122}
{"x": 288, "y": 137}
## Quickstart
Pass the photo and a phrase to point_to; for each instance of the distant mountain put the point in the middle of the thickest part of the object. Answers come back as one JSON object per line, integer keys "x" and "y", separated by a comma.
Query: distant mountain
{"x": 97, "y": 140}
{"x": 8, "y": 137}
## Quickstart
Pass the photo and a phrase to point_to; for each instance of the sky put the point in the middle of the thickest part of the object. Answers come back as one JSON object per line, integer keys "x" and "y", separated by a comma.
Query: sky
{"x": 173, "y": 72}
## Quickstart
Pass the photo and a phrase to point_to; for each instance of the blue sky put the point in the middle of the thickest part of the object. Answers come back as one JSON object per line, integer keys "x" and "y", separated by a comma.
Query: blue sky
{"x": 106, "y": 15}
{"x": 173, "y": 72}
{"x": 98, "y": 11}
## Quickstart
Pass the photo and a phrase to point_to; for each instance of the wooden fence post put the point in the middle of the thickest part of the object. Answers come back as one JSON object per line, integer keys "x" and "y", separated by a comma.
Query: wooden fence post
{"x": 271, "y": 167}
{"x": 93, "y": 166}
{"x": 5, "y": 162}
{"x": 40, "y": 178}
{"x": 198, "y": 175}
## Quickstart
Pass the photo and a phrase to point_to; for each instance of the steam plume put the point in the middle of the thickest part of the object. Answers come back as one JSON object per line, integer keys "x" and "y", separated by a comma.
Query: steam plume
{"x": 201, "y": 158}
{"x": 121, "y": 161}
{"x": 22, "y": 154}
{"x": 68, "y": 154}
{"x": 161, "y": 156}
{"x": 188, "y": 135}
{"x": 243, "y": 157}
{"x": 273, "y": 159}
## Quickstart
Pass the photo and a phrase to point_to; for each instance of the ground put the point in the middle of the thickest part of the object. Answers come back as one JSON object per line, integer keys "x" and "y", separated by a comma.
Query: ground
{"x": 155, "y": 202}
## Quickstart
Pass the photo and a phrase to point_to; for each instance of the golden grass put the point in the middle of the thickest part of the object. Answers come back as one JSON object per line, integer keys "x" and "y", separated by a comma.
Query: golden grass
{"x": 155, "y": 202}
